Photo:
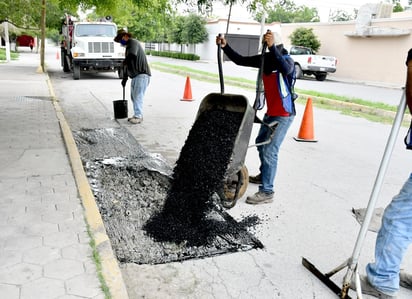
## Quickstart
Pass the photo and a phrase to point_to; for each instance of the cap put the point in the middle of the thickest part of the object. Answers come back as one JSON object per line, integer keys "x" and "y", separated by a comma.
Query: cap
{"x": 120, "y": 34}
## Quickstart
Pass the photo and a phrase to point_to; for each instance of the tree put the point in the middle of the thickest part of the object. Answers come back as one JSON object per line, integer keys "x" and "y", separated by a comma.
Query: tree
{"x": 397, "y": 7}
{"x": 176, "y": 32}
{"x": 306, "y": 38}
{"x": 341, "y": 15}
{"x": 189, "y": 29}
{"x": 205, "y": 6}
{"x": 195, "y": 31}
{"x": 288, "y": 12}
{"x": 147, "y": 21}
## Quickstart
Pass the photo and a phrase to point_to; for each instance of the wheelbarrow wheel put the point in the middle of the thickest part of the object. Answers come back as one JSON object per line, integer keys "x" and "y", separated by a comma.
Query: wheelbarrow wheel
{"x": 239, "y": 182}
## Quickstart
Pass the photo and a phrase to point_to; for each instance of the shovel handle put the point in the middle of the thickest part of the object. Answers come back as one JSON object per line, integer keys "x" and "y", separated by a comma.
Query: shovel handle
{"x": 219, "y": 63}
{"x": 123, "y": 92}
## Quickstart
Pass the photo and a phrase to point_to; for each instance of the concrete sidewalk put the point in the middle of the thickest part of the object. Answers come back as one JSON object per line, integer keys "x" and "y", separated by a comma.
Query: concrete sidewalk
{"x": 45, "y": 206}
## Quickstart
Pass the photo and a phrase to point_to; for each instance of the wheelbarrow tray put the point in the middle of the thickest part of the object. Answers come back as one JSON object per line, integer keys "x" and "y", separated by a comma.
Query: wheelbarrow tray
{"x": 233, "y": 103}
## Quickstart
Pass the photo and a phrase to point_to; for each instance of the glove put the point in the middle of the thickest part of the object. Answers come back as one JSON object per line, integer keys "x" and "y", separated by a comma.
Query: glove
{"x": 409, "y": 57}
{"x": 124, "y": 80}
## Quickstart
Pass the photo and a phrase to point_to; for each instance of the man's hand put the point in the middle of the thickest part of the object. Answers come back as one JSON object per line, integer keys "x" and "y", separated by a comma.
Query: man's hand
{"x": 124, "y": 80}
{"x": 408, "y": 85}
{"x": 409, "y": 57}
{"x": 220, "y": 40}
{"x": 268, "y": 38}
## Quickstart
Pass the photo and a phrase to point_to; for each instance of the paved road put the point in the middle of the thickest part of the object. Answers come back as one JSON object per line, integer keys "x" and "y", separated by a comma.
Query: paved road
{"x": 317, "y": 186}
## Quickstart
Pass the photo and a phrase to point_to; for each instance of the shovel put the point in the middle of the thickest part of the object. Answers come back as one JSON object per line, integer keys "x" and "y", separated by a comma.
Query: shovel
{"x": 120, "y": 107}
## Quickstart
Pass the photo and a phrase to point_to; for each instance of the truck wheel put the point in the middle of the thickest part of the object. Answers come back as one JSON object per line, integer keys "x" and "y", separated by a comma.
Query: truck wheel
{"x": 76, "y": 72}
{"x": 120, "y": 73}
{"x": 298, "y": 71}
{"x": 228, "y": 197}
{"x": 320, "y": 77}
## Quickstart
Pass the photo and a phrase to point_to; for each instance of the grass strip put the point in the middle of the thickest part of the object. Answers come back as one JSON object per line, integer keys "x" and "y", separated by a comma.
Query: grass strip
{"x": 356, "y": 107}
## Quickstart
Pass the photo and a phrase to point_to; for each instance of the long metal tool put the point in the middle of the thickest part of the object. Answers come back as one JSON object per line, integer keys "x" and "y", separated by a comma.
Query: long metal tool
{"x": 219, "y": 64}
{"x": 352, "y": 262}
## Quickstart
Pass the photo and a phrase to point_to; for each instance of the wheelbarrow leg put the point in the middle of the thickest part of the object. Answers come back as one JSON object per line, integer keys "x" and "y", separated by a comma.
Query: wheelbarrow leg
{"x": 229, "y": 198}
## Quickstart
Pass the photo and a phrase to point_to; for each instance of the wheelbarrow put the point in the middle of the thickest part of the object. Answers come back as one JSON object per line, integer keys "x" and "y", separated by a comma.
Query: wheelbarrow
{"x": 237, "y": 177}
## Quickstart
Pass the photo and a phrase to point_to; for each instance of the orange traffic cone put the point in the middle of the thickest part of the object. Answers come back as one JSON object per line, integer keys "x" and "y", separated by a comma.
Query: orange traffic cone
{"x": 57, "y": 55}
{"x": 306, "y": 127}
{"x": 187, "y": 95}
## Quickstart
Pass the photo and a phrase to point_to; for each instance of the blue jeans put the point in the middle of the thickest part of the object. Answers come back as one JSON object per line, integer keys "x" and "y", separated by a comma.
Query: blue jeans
{"x": 138, "y": 89}
{"x": 392, "y": 241}
{"x": 268, "y": 153}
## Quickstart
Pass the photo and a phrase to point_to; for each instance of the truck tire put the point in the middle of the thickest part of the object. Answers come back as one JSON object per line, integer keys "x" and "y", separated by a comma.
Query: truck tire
{"x": 321, "y": 76}
{"x": 76, "y": 72}
{"x": 298, "y": 71}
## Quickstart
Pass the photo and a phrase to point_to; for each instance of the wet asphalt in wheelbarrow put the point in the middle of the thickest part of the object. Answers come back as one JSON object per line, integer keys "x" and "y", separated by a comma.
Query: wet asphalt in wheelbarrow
{"x": 154, "y": 213}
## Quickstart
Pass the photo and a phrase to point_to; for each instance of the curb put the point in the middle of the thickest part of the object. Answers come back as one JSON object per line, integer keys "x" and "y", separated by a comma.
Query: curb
{"x": 109, "y": 266}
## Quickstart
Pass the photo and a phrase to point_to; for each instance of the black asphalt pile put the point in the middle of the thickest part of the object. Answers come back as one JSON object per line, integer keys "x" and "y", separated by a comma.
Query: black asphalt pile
{"x": 134, "y": 188}
{"x": 199, "y": 172}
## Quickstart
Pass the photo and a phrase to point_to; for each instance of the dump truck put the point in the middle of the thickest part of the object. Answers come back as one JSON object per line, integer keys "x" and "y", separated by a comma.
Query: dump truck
{"x": 89, "y": 47}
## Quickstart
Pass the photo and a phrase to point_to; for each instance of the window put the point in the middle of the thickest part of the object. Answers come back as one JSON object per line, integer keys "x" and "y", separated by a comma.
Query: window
{"x": 95, "y": 30}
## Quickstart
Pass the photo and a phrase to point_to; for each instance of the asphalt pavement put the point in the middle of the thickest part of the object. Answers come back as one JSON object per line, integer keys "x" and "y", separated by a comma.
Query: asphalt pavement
{"x": 46, "y": 201}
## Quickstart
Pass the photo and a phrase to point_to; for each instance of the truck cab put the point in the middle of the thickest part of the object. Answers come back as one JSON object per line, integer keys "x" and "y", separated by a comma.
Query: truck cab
{"x": 89, "y": 47}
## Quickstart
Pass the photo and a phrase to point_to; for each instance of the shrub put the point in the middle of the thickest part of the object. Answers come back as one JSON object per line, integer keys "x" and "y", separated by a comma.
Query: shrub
{"x": 177, "y": 55}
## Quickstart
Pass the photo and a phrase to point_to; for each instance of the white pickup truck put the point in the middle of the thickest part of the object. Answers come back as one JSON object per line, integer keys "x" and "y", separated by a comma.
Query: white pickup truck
{"x": 308, "y": 63}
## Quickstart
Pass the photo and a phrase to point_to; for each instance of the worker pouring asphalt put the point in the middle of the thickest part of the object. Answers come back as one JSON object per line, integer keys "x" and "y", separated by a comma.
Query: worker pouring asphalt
{"x": 277, "y": 65}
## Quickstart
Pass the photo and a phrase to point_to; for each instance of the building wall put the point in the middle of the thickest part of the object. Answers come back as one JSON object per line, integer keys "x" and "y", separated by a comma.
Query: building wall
{"x": 371, "y": 60}
{"x": 378, "y": 59}
{"x": 207, "y": 50}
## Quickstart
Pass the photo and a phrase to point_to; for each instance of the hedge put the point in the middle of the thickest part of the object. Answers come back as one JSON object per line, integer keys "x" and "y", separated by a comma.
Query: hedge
{"x": 185, "y": 56}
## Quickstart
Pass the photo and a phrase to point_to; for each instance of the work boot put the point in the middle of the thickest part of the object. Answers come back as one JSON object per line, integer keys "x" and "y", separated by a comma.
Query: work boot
{"x": 368, "y": 289}
{"x": 135, "y": 120}
{"x": 405, "y": 280}
{"x": 257, "y": 179}
{"x": 259, "y": 198}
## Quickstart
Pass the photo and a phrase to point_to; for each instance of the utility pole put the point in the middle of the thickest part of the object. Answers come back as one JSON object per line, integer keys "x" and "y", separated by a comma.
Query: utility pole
{"x": 6, "y": 39}
{"x": 43, "y": 34}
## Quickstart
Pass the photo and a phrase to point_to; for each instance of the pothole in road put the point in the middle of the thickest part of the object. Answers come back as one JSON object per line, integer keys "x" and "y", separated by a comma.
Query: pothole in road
{"x": 154, "y": 213}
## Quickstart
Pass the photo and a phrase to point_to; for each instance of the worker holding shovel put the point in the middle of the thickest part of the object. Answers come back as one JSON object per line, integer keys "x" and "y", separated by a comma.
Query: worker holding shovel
{"x": 137, "y": 68}
{"x": 395, "y": 235}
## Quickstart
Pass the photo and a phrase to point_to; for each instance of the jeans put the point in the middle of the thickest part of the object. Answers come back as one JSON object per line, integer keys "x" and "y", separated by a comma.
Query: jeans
{"x": 392, "y": 241}
{"x": 138, "y": 89}
{"x": 268, "y": 153}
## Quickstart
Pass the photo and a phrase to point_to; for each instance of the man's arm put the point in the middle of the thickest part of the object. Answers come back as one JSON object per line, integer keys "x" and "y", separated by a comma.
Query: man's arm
{"x": 408, "y": 87}
{"x": 252, "y": 61}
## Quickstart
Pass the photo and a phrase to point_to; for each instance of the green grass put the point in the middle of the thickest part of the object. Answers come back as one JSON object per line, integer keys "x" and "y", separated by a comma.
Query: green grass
{"x": 13, "y": 55}
{"x": 356, "y": 107}
{"x": 98, "y": 263}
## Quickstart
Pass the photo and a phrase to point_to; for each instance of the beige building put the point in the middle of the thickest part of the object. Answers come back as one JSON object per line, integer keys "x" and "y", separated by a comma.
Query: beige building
{"x": 371, "y": 52}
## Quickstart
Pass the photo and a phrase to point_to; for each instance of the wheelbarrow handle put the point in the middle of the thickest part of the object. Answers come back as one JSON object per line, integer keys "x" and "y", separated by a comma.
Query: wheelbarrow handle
{"x": 272, "y": 127}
